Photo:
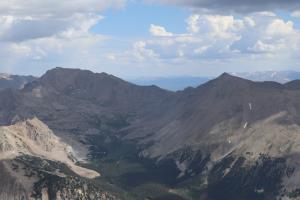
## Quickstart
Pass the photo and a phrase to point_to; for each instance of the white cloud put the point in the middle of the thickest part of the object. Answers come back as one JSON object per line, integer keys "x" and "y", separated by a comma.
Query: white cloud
{"x": 279, "y": 28}
{"x": 55, "y": 8}
{"x": 23, "y": 20}
{"x": 208, "y": 36}
{"x": 265, "y": 14}
{"x": 215, "y": 25}
{"x": 141, "y": 52}
{"x": 261, "y": 47}
{"x": 201, "y": 49}
{"x": 159, "y": 31}
{"x": 111, "y": 56}
{"x": 52, "y": 32}
{"x": 80, "y": 25}
{"x": 40, "y": 34}
{"x": 15, "y": 29}
{"x": 296, "y": 13}
{"x": 249, "y": 21}
{"x": 192, "y": 22}
{"x": 211, "y": 38}
{"x": 19, "y": 49}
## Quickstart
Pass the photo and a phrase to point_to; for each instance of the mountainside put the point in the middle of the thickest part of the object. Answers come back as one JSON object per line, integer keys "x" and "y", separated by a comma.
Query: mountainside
{"x": 34, "y": 138}
{"x": 35, "y": 164}
{"x": 30, "y": 178}
{"x": 229, "y": 138}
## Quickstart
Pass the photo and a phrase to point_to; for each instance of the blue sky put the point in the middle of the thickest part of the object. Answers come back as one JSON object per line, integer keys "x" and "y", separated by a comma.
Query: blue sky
{"x": 148, "y": 38}
{"x": 135, "y": 18}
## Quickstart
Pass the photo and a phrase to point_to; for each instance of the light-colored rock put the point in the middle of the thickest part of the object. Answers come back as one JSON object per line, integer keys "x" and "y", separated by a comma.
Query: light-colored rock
{"x": 33, "y": 137}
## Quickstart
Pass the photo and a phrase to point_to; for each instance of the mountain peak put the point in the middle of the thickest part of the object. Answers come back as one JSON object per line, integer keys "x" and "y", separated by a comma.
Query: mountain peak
{"x": 69, "y": 72}
{"x": 67, "y": 78}
{"x": 226, "y": 75}
{"x": 229, "y": 78}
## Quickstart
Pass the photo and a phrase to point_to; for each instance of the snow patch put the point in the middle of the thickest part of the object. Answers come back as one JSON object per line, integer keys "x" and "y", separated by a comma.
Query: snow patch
{"x": 250, "y": 106}
{"x": 229, "y": 140}
{"x": 246, "y": 125}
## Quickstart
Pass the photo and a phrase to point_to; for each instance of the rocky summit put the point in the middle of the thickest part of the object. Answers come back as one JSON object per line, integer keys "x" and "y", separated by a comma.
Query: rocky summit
{"x": 229, "y": 138}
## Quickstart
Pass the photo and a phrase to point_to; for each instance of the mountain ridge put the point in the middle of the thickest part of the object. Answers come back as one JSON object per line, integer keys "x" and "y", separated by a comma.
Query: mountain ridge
{"x": 14, "y": 81}
{"x": 197, "y": 134}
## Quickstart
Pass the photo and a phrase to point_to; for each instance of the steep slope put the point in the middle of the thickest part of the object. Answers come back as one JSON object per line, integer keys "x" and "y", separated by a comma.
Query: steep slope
{"x": 34, "y": 138}
{"x": 227, "y": 103}
{"x": 103, "y": 89}
{"x": 68, "y": 91}
{"x": 35, "y": 164}
{"x": 75, "y": 103}
{"x": 227, "y": 129}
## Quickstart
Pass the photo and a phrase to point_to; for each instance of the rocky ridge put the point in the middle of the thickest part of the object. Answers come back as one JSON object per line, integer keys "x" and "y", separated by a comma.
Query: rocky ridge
{"x": 32, "y": 137}
{"x": 230, "y": 134}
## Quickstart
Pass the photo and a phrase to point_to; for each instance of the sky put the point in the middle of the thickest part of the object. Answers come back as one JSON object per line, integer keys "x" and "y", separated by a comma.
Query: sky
{"x": 150, "y": 38}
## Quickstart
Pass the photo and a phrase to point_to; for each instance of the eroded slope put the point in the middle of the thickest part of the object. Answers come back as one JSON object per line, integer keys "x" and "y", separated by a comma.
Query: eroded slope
{"x": 32, "y": 137}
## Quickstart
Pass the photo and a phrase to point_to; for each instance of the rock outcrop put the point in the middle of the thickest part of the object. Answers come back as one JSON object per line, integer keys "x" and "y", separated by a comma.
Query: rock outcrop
{"x": 32, "y": 137}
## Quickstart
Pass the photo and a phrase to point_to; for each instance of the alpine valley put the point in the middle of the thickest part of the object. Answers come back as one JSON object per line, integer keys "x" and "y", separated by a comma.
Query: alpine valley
{"x": 75, "y": 134}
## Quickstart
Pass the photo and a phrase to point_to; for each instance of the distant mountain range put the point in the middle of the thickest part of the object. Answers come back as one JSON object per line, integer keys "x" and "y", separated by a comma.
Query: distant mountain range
{"x": 182, "y": 82}
{"x": 14, "y": 81}
{"x": 172, "y": 83}
{"x": 276, "y": 76}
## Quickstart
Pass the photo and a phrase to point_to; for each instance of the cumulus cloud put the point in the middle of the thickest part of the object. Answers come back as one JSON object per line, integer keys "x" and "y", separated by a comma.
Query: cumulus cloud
{"x": 216, "y": 25}
{"x": 55, "y": 8}
{"x": 207, "y": 36}
{"x": 296, "y": 13}
{"x": 239, "y": 6}
{"x": 51, "y": 31}
{"x": 25, "y": 20}
{"x": 15, "y": 29}
{"x": 279, "y": 28}
{"x": 210, "y": 37}
{"x": 159, "y": 31}
{"x": 262, "y": 47}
